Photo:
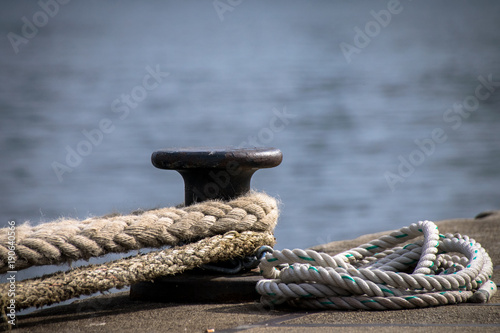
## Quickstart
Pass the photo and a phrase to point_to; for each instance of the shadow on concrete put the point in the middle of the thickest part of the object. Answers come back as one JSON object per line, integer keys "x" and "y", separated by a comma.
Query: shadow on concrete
{"x": 103, "y": 306}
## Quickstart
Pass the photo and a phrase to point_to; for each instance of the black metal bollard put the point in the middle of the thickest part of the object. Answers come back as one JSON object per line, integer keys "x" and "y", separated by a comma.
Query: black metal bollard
{"x": 208, "y": 173}
{"x": 216, "y": 173}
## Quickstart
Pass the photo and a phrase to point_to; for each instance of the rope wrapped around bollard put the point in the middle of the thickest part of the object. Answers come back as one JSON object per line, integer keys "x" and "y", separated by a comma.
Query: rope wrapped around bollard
{"x": 68, "y": 240}
{"x": 381, "y": 276}
{"x": 217, "y": 231}
{"x": 87, "y": 280}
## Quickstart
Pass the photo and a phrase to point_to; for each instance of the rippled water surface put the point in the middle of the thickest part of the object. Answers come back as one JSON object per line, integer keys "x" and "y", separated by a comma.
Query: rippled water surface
{"x": 349, "y": 126}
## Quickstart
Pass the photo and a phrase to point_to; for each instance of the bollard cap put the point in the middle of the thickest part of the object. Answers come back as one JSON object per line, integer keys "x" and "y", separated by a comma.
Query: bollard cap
{"x": 216, "y": 172}
{"x": 216, "y": 158}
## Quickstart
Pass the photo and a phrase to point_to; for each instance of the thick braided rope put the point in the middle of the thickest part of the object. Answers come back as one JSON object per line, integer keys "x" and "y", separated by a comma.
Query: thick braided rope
{"x": 380, "y": 276}
{"x": 87, "y": 280}
{"x": 67, "y": 240}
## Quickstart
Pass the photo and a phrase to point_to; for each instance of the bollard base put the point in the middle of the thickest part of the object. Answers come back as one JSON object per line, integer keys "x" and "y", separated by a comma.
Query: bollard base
{"x": 198, "y": 287}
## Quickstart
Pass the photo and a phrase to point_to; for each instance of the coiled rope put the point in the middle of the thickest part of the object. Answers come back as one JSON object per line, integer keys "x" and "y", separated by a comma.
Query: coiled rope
{"x": 68, "y": 240}
{"x": 380, "y": 276}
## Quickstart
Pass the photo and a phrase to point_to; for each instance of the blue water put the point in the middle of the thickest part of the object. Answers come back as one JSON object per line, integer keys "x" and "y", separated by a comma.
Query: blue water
{"x": 347, "y": 124}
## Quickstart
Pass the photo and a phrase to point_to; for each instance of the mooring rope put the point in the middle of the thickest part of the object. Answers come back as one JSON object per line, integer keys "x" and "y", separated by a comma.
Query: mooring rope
{"x": 438, "y": 270}
{"x": 68, "y": 240}
{"x": 87, "y": 280}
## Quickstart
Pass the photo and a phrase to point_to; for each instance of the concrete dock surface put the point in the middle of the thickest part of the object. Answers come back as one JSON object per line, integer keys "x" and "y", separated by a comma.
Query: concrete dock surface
{"x": 118, "y": 313}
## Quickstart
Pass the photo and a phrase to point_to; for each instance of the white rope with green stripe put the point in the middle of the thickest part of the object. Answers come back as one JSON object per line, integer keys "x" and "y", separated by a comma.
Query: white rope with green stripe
{"x": 438, "y": 270}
